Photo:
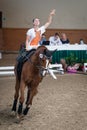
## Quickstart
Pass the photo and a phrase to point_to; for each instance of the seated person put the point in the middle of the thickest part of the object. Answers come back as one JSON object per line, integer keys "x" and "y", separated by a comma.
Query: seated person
{"x": 81, "y": 42}
{"x": 55, "y": 40}
{"x": 43, "y": 38}
{"x": 64, "y": 64}
{"x": 64, "y": 39}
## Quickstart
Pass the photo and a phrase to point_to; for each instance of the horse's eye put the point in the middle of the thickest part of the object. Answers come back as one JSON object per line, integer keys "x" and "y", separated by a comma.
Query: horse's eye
{"x": 41, "y": 56}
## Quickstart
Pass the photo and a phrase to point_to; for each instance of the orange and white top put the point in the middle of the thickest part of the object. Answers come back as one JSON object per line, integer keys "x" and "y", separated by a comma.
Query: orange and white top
{"x": 35, "y": 36}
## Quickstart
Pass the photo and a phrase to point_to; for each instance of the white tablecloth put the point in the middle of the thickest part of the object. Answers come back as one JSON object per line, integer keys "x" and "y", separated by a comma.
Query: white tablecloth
{"x": 68, "y": 47}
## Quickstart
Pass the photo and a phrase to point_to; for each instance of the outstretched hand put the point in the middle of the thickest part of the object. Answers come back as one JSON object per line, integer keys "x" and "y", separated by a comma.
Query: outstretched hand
{"x": 53, "y": 12}
{"x": 50, "y": 18}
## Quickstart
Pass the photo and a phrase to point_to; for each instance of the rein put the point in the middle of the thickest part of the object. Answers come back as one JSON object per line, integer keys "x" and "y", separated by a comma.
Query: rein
{"x": 37, "y": 66}
{"x": 42, "y": 69}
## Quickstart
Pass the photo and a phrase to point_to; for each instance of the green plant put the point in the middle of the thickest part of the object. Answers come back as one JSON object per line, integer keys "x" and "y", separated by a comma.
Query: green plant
{"x": 71, "y": 59}
{"x": 83, "y": 61}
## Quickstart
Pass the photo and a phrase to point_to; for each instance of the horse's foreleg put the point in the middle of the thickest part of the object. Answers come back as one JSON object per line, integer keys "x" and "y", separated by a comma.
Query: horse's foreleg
{"x": 27, "y": 108}
{"x": 28, "y": 95}
{"x": 21, "y": 100}
{"x": 32, "y": 93}
{"x": 16, "y": 96}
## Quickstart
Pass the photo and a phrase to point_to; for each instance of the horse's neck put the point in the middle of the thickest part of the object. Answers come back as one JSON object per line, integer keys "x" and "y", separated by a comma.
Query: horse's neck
{"x": 35, "y": 59}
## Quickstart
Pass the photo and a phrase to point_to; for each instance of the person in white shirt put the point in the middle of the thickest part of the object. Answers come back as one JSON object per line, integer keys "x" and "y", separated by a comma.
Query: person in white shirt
{"x": 55, "y": 40}
{"x": 34, "y": 34}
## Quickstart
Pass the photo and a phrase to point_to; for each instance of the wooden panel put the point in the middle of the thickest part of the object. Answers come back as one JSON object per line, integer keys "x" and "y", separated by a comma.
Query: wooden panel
{"x": 73, "y": 35}
{"x": 1, "y": 39}
{"x": 14, "y": 37}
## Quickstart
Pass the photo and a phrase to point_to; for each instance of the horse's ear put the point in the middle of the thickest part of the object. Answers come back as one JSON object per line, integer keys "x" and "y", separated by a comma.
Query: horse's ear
{"x": 53, "y": 51}
{"x": 49, "y": 53}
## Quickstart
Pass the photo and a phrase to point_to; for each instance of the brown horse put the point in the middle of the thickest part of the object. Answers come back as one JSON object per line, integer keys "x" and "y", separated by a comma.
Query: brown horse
{"x": 30, "y": 75}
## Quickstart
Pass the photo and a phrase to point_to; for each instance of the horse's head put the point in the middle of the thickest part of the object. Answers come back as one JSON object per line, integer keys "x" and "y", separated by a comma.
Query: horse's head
{"x": 44, "y": 57}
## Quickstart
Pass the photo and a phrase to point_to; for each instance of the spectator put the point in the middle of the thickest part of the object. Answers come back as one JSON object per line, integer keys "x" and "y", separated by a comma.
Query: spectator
{"x": 43, "y": 38}
{"x": 64, "y": 39}
{"x": 55, "y": 40}
{"x": 81, "y": 42}
{"x": 64, "y": 64}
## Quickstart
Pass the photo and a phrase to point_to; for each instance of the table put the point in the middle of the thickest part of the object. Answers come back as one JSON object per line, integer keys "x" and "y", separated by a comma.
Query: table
{"x": 66, "y": 51}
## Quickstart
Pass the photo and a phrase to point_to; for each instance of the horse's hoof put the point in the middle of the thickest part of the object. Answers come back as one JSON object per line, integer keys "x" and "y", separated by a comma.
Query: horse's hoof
{"x": 20, "y": 117}
{"x": 26, "y": 111}
{"x": 13, "y": 113}
{"x": 17, "y": 120}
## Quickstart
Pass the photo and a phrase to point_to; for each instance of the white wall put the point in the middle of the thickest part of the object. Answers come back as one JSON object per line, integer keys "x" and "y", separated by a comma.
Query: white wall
{"x": 70, "y": 14}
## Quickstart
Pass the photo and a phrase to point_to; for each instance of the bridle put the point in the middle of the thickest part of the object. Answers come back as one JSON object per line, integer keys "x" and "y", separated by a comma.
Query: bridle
{"x": 42, "y": 70}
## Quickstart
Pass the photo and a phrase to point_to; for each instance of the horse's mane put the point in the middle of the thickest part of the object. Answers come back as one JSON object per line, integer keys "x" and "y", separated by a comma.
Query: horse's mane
{"x": 41, "y": 48}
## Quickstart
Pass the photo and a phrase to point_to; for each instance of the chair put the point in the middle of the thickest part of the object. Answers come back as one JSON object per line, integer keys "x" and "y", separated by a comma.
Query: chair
{"x": 85, "y": 67}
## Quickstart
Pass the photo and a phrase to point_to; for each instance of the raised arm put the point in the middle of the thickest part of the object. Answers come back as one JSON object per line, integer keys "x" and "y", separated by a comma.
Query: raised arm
{"x": 50, "y": 18}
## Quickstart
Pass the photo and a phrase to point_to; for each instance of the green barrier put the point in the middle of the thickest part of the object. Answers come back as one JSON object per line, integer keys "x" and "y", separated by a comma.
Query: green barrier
{"x": 80, "y": 56}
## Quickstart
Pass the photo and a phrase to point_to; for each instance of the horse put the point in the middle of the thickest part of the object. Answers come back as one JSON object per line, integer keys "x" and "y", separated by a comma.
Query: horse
{"x": 30, "y": 75}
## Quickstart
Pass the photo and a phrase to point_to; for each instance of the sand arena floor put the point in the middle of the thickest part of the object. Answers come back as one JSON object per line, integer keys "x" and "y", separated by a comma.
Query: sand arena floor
{"x": 59, "y": 105}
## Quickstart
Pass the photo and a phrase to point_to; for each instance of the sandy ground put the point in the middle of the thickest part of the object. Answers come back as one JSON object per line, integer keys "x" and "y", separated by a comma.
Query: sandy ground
{"x": 59, "y": 105}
